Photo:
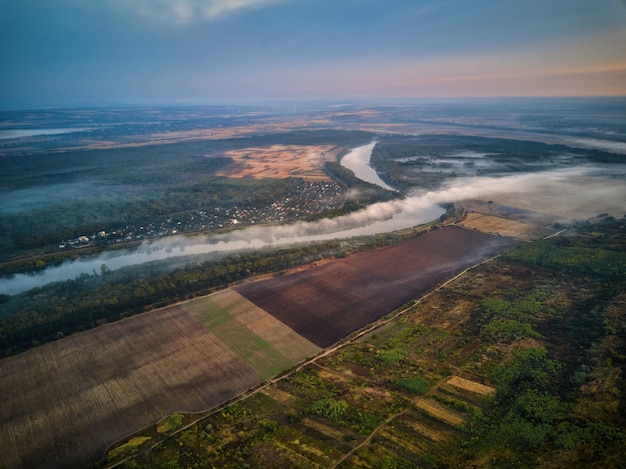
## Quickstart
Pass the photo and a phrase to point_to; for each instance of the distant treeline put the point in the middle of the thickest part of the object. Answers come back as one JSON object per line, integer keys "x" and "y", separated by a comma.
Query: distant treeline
{"x": 424, "y": 161}
{"x": 59, "y": 196}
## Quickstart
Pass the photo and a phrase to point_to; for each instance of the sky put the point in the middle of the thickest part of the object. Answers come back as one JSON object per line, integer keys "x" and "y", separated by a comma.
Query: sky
{"x": 83, "y": 52}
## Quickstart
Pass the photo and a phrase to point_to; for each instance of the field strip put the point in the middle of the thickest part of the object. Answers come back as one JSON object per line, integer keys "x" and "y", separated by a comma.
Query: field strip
{"x": 423, "y": 429}
{"x": 438, "y": 411}
{"x": 471, "y": 386}
{"x": 248, "y": 335}
{"x": 324, "y": 429}
{"x": 493, "y": 224}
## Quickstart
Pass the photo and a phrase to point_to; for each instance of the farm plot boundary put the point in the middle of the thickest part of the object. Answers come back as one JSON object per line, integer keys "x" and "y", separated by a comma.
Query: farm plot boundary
{"x": 264, "y": 343}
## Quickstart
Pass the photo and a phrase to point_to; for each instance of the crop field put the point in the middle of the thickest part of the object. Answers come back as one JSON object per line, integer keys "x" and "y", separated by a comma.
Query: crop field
{"x": 280, "y": 161}
{"x": 501, "y": 226}
{"x": 65, "y": 402}
{"x": 329, "y": 302}
{"x": 471, "y": 386}
{"x": 263, "y": 342}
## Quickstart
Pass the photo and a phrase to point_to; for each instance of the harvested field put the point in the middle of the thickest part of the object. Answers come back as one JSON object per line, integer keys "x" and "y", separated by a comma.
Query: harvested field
{"x": 66, "y": 401}
{"x": 438, "y": 411}
{"x": 502, "y": 226}
{"x": 471, "y": 386}
{"x": 279, "y": 161}
{"x": 327, "y": 303}
{"x": 264, "y": 343}
{"x": 542, "y": 223}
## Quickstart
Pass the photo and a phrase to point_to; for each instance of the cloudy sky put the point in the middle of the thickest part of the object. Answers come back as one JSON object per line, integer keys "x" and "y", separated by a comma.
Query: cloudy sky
{"x": 56, "y": 52}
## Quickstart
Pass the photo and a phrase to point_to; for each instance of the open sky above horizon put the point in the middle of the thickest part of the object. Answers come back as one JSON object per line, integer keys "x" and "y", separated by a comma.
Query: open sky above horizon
{"x": 77, "y": 52}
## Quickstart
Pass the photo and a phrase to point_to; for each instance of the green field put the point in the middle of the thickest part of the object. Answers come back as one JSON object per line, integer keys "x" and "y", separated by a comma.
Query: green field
{"x": 264, "y": 343}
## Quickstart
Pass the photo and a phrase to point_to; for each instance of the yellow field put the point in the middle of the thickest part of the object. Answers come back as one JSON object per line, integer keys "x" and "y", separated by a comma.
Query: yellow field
{"x": 438, "y": 411}
{"x": 502, "y": 226}
{"x": 471, "y": 386}
{"x": 280, "y": 161}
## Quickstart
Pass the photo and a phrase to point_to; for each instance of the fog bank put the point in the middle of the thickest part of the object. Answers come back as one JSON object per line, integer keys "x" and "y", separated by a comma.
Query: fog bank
{"x": 574, "y": 193}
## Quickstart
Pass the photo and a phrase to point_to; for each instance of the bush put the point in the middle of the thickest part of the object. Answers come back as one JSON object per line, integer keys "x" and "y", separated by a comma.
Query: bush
{"x": 329, "y": 407}
{"x": 414, "y": 385}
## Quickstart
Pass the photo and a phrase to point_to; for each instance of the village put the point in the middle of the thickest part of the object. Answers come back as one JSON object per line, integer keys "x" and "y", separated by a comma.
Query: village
{"x": 308, "y": 199}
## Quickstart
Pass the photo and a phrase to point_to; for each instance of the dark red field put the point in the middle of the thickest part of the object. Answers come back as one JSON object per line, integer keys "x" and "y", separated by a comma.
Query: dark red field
{"x": 329, "y": 302}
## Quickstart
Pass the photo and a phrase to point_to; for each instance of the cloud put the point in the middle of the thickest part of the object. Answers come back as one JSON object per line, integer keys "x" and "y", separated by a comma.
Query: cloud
{"x": 181, "y": 12}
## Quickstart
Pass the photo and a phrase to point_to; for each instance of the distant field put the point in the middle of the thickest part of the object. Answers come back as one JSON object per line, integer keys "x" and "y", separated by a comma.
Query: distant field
{"x": 63, "y": 403}
{"x": 502, "y": 226}
{"x": 329, "y": 302}
{"x": 279, "y": 161}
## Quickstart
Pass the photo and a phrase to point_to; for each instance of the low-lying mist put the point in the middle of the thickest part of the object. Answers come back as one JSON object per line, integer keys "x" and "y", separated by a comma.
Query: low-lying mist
{"x": 575, "y": 193}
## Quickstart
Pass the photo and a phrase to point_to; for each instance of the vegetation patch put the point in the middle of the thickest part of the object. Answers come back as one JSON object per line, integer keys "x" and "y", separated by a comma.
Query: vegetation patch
{"x": 128, "y": 448}
{"x": 171, "y": 423}
{"x": 414, "y": 385}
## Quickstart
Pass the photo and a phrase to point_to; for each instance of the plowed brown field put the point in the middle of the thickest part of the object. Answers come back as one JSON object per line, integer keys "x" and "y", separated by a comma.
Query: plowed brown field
{"x": 327, "y": 303}
{"x": 63, "y": 403}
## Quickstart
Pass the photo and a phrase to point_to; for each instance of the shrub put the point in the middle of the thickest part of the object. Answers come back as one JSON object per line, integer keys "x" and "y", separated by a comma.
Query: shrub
{"x": 414, "y": 385}
{"x": 329, "y": 407}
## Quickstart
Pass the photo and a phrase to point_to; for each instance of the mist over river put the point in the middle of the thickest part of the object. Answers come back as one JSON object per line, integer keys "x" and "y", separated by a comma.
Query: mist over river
{"x": 575, "y": 192}
{"x": 377, "y": 218}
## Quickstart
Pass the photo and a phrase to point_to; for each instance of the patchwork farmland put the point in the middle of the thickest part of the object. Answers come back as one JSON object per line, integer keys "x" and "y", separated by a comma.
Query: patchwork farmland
{"x": 93, "y": 388}
{"x": 68, "y": 400}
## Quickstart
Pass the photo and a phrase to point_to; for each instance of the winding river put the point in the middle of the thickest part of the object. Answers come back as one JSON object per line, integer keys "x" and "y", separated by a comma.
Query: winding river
{"x": 377, "y": 218}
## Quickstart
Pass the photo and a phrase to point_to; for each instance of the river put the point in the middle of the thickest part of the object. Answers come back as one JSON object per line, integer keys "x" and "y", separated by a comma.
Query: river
{"x": 358, "y": 161}
{"x": 377, "y": 218}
